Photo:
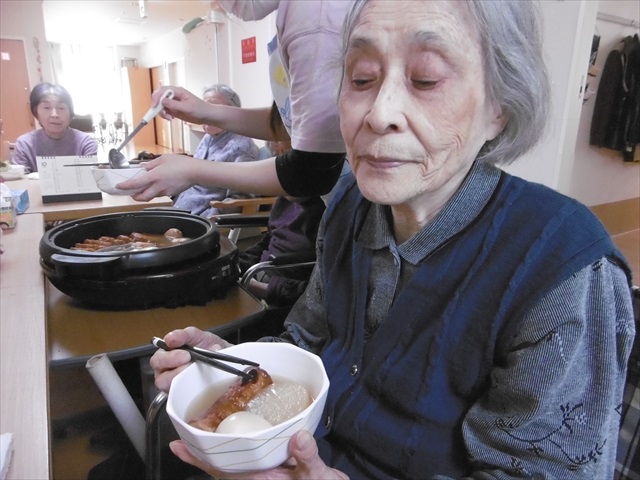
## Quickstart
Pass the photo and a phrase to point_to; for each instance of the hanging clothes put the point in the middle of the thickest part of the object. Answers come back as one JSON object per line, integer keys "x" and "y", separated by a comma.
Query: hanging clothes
{"x": 616, "y": 114}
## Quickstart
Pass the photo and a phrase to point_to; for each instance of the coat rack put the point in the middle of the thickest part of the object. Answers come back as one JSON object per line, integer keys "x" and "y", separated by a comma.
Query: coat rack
{"x": 616, "y": 19}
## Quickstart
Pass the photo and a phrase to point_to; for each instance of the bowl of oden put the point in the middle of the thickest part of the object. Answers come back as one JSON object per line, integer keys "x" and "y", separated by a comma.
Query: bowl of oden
{"x": 107, "y": 178}
{"x": 256, "y": 435}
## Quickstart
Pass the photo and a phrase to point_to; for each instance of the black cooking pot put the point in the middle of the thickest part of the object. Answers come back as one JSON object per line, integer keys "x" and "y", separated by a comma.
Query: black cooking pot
{"x": 187, "y": 273}
{"x": 55, "y": 245}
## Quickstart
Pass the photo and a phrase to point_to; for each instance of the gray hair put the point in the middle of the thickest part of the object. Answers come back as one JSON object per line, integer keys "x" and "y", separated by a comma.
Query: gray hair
{"x": 515, "y": 74}
{"x": 232, "y": 97}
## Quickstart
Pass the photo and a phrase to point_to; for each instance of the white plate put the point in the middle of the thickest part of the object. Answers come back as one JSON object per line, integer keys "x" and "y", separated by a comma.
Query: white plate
{"x": 8, "y": 176}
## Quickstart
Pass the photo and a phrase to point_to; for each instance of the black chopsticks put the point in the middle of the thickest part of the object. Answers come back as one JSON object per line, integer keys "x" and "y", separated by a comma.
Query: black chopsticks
{"x": 212, "y": 358}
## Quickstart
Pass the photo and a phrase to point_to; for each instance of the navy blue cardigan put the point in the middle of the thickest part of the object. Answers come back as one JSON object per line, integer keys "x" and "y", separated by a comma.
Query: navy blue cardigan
{"x": 403, "y": 406}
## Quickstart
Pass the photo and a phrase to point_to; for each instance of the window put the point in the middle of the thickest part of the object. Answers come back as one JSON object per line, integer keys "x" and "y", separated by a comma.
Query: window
{"x": 91, "y": 74}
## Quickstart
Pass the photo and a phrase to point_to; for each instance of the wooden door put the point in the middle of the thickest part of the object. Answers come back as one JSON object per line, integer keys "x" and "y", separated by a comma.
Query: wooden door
{"x": 15, "y": 114}
{"x": 137, "y": 91}
{"x": 162, "y": 127}
{"x": 177, "y": 125}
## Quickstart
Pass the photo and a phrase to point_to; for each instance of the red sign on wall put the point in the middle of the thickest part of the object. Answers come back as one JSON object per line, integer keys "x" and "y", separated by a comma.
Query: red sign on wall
{"x": 249, "y": 50}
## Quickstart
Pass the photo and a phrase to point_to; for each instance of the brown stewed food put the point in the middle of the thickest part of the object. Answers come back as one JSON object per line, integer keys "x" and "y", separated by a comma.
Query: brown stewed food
{"x": 133, "y": 241}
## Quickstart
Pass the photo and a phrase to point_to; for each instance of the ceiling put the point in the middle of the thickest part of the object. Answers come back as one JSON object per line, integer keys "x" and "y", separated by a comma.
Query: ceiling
{"x": 117, "y": 22}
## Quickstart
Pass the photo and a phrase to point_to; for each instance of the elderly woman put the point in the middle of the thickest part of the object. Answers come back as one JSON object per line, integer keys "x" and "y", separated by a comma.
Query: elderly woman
{"x": 472, "y": 324}
{"x": 52, "y": 106}
{"x": 217, "y": 145}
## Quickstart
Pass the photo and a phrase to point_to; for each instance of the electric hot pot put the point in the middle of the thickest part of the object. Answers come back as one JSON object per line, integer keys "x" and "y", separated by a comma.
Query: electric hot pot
{"x": 187, "y": 273}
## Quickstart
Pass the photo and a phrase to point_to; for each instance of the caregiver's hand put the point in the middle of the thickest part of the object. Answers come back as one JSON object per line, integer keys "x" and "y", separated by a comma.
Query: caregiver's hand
{"x": 167, "y": 364}
{"x": 184, "y": 105}
{"x": 304, "y": 464}
{"x": 168, "y": 174}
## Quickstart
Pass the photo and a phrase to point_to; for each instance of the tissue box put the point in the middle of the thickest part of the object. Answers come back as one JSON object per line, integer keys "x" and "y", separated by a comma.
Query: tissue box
{"x": 20, "y": 200}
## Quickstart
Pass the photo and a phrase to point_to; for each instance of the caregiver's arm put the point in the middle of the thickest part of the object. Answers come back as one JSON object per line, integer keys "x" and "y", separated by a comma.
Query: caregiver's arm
{"x": 250, "y": 122}
{"x": 294, "y": 173}
{"x": 171, "y": 174}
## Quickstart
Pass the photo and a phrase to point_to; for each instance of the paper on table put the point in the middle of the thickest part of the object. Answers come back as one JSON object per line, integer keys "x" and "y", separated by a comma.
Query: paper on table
{"x": 60, "y": 184}
{"x": 5, "y": 453}
{"x": 57, "y": 180}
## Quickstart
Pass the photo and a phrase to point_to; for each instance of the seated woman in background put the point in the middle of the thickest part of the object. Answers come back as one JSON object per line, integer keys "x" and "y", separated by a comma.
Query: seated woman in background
{"x": 293, "y": 228}
{"x": 52, "y": 106}
{"x": 217, "y": 145}
{"x": 472, "y": 324}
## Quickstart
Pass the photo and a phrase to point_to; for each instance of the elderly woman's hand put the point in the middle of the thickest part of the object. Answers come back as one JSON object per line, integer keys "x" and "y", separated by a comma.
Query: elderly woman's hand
{"x": 166, "y": 365}
{"x": 305, "y": 463}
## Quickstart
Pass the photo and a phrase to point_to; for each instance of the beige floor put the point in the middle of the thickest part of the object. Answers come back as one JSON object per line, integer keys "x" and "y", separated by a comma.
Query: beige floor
{"x": 84, "y": 430}
{"x": 73, "y": 393}
{"x": 629, "y": 244}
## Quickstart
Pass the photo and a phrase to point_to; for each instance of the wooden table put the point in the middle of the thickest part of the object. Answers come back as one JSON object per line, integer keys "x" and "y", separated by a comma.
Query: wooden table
{"x": 87, "y": 208}
{"x": 23, "y": 361}
{"x": 81, "y": 209}
{"x": 32, "y": 309}
{"x": 77, "y": 333}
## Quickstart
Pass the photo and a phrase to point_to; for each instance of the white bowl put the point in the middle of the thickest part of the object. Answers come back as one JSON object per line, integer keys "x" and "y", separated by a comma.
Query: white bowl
{"x": 108, "y": 178}
{"x": 262, "y": 449}
{"x": 13, "y": 172}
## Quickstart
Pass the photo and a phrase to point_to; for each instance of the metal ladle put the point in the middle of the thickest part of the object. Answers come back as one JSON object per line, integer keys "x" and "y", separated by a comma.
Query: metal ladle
{"x": 116, "y": 158}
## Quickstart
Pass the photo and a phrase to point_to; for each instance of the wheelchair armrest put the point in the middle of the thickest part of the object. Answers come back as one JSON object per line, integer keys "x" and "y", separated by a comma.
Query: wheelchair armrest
{"x": 152, "y": 434}
{"x": 305, "y": 258}
{"x": 239, "y": 220}
{"x": 247, "y": 205}
{"x": 293, "y": 258}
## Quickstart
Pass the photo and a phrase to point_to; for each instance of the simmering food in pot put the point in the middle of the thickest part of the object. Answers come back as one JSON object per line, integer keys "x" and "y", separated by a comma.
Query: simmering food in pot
{"x": 134, "y": 241}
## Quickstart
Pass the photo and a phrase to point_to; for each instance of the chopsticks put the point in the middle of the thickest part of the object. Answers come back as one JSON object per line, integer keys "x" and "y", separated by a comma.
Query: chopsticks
{"x": 211, "y": 358}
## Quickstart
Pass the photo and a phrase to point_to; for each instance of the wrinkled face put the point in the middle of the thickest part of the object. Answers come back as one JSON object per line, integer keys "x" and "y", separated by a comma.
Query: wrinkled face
{"x": 54, "y": 116}
{"x": 214, "y": 99}
{"x": 413, "y": 109}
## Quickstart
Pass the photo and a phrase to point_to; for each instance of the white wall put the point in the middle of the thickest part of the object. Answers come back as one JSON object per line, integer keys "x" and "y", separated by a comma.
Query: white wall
{"x": 162, "y": 50}
{"x": 560, "y": 24}
{"x": 564, "y": 160}
{"x": 600, "y": 175}
{"x": 211, "y": 53}
{"x": 126, "y": 51}
{"x": 251, "y": 80}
